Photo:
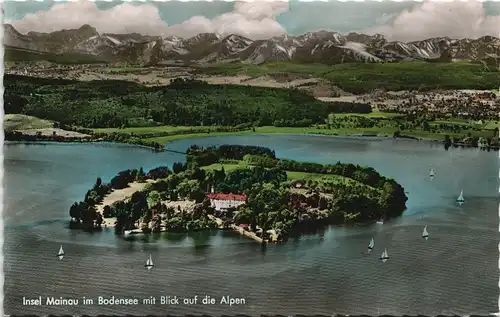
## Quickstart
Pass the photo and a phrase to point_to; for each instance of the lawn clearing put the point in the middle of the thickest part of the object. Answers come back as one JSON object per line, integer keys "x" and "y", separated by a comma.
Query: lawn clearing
{"x": 23, "y": 122}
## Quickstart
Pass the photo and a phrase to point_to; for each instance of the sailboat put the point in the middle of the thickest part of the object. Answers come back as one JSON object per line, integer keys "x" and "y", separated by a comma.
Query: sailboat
{"x": 460, "y": 198}
{"x": 425, "y": 234}
{"x": 60, "y": 254}
{"x": 149, "y": 263}
{"x": 431, "y": 174}
{"x": 371, "y": 245}
{"x": 385, "y": 256}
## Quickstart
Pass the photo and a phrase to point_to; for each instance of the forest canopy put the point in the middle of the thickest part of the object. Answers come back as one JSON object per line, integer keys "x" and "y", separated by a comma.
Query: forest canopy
{"x": 188, "y": 102}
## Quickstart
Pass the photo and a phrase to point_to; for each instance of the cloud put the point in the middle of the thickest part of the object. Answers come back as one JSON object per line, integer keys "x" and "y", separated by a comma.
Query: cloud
{"x": 255, "y": 20}
{"x": 261, "y": 19}
{"x": 440, "y": 19}
{"x": 123, "y": 18}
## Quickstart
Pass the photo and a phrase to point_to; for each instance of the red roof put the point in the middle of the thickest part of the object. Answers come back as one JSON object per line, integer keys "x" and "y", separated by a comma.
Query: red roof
{"x": 221, "y": 196}
{"x": 243, "y": 225}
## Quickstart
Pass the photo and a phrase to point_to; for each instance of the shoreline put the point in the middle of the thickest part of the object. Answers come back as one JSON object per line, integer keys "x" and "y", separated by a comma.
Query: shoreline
{"x": 119, "y": 195}
{"x": 360, "y": 136}
{"x": 68, "y": 139}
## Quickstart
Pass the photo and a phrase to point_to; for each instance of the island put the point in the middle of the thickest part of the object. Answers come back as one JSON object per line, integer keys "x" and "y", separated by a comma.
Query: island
{"x": 244, "y": 188}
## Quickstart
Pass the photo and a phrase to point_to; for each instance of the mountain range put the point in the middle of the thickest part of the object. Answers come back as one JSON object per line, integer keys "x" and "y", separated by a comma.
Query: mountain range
{"x": 313, "y": 47}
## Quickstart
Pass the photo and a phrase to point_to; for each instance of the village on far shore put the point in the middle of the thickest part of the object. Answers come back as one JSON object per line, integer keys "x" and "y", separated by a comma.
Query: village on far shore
{"x": 241, "y": 188}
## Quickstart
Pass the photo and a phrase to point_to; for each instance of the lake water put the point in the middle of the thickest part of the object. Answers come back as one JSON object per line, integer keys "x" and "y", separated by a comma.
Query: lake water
{"x": 454, "y": 272}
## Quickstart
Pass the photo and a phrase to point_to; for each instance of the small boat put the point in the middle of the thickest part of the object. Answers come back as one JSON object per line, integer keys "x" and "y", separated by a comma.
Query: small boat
{"x": 425, "y": 234}
{"x": 149, "y": 263}
{"x": 380, "y": 222}
{"x": 132, "y": 232}
{"x": 60, "y": 254}
{"x": 460, "y": 198}
{"x": 371, "y": 245}
{"x": 385, "y": 256}
{"x": 431, "y": 174}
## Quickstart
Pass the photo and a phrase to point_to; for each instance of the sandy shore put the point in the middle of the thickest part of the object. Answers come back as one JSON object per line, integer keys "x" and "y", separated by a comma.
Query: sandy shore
{"x": 54, "y": 131}
{"x": 117, "y": 195}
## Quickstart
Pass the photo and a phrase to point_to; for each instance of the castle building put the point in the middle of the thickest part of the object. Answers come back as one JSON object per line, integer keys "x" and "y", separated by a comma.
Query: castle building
{"x": 221, "y": 201}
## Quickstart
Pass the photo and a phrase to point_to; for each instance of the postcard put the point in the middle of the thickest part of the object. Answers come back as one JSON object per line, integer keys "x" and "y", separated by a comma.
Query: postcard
{"x": 251, "y": 158}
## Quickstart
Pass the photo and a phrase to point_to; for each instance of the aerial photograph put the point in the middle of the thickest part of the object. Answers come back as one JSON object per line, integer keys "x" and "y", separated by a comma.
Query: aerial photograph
{"x": 251, "y": 158}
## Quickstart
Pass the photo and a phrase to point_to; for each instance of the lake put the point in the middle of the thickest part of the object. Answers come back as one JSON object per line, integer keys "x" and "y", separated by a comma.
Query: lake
{"x": 454, "y": 272}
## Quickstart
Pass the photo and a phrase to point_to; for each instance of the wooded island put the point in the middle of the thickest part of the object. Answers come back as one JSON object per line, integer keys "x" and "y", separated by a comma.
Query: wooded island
{"x": 244, "y": 186}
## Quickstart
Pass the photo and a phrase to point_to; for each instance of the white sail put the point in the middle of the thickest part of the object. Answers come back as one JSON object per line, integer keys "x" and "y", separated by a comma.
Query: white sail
{"x": 384, "y": 256}
{"x": 425, "y": 234}
{"x": 149, "y": 263}
{"x": 461, "y": 197}
{"x": 372, "y": 244}
{"x": 431, "y": 174}
{"x": 60, "y": 254}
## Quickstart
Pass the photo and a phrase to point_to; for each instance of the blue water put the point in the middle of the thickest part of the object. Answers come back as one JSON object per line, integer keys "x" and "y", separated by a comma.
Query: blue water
{"x": 455, "y": 271}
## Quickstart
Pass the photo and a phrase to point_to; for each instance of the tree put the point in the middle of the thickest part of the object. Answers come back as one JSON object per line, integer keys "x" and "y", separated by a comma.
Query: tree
{"x": 140, "y": 176}
{"x": 159, "y": 172}
{"x": 178, "y": 167}
{"x": 425, "y": 126}
{"x": 139, "y": 205}
{"x": 98, "y": 183}
{"x": 263, "y": 221}
{"x": 99, "y": 220}
{"x": 106, "y": 211}
{"x": 174, "y": 196}
{"x": 75, "y": 212}
{"x": 189, "y": 188}
{"x": 153, "y": 198}
{"x": 447, "y": 140}
{"x": 156, "y": 224}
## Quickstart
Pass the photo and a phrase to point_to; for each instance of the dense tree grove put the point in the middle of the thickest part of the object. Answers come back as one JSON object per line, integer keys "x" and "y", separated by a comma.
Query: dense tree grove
{"x": 210, "y": 155}
{"x": 98, "y": 104}
{"x": 362, "y": 174}
{"x": 159, "y": 172}
{"x": 84, "y": 213}
{"x": 348, "y": 107}
{"x": 348, "y": 193}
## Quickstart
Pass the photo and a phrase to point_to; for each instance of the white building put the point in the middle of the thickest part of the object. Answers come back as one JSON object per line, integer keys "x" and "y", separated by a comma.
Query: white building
{"x": 225, "y": 201}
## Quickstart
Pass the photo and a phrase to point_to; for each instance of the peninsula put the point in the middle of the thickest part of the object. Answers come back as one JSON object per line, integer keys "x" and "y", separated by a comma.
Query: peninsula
{"x": 241, "y": 187}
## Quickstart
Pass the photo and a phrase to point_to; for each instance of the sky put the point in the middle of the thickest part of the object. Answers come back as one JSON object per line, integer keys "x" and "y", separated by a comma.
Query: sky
{"x": 398, "y": 21}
